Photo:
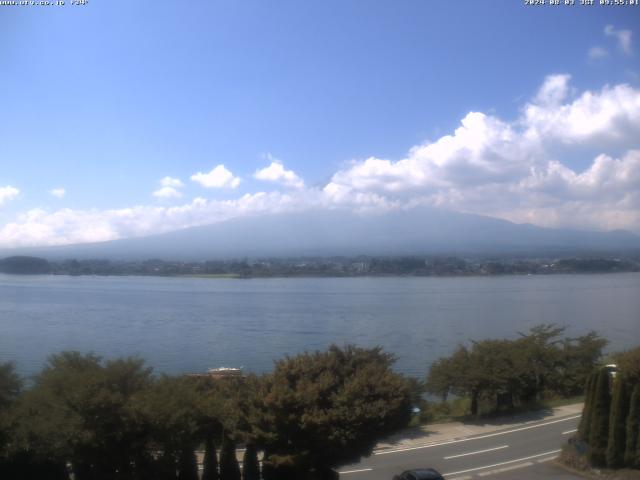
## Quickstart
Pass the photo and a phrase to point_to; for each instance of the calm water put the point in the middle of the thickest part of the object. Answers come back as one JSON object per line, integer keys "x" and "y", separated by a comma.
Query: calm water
{"x": 184, "y": 324}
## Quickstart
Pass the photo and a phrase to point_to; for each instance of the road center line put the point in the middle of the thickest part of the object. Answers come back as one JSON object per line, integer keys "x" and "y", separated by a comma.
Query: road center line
{"x": 479, "y": 451}
{"x": 386, "y": 452}
{"x": 570, "y": 431}
{"x": 501, "y": 463}
{"x": 356, "y": 471}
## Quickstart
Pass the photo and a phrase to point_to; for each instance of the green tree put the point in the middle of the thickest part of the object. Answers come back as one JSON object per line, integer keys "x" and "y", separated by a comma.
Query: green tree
{"x": 632, "y": 450}
{"x": 187, "y": 465}
{"x": 10, "y": 385}
{"x": 599, "y": 430}
{"x": 540, "y": 348}
{"x": 168, "y": 410}
{"x": 628, "y": 363}
{"x": 587, "y": 410}
{"x": 617, "y": 422}
{"x": 521, "y": 371}
{"x": 489, "y": 369}
{"x": 578, "y": 357}
{"x": 210, "y": 462}
{"x": 442, "y": 378}
{"x": 250, "y": 466}
{"x": 78, "y": 411}
{"x": 229, "y": 468}
{"x": 323, "y": 409}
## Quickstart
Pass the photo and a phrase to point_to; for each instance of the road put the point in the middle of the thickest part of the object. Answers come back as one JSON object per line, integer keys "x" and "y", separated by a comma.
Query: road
{"x": 529, "y": 447}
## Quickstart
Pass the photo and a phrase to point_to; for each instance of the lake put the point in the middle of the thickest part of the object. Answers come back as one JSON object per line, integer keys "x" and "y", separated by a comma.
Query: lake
{"x": 191, "y": 324}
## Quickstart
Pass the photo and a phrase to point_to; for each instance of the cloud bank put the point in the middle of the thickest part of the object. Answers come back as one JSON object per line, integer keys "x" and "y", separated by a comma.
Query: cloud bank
{"x": 513, "y": 169}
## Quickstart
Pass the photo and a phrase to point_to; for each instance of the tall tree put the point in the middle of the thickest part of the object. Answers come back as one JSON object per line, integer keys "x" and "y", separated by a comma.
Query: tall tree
{"x": 187, "y": 465}
{"x": 210, "y": 462}
{"x": 632, "y": 450}
{"x": 585, "y": 420}
{"x": 599, "y": 430}
{"x": 250, "y": 466}
{"x": 229, "y": 467}
{"x": 617, "y": 422}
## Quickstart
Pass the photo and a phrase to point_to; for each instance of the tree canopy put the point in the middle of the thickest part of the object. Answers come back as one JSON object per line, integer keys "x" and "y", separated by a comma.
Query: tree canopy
{"x": 519, "y": 370}
{"x": 323, "y": 409}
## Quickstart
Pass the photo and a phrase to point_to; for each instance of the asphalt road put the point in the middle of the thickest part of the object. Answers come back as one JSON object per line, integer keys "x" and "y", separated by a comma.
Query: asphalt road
{"x": 527, "y": 448}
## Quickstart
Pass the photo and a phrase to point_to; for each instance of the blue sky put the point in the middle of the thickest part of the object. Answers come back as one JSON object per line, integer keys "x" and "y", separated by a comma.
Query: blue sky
{"x": 349, "y": 104}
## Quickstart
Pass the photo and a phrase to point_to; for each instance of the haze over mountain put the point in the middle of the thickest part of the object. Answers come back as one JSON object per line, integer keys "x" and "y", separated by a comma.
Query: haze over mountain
{"x": 335, "y": 232}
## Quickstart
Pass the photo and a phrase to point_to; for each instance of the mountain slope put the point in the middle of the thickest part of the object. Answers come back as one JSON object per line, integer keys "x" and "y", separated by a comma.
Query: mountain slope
{"x": 323, "y": 233}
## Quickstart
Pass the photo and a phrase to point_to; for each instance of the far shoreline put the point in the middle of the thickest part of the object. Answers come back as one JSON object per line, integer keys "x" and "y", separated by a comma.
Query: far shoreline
{"x": 309, "y": 276}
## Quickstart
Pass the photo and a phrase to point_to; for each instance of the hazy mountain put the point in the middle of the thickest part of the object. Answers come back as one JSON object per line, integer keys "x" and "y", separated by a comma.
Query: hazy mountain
{"x": 323, "y": 233}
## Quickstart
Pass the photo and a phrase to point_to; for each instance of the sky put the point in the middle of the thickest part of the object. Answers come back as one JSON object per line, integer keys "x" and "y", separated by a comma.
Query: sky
{"x": 127, "y": 119}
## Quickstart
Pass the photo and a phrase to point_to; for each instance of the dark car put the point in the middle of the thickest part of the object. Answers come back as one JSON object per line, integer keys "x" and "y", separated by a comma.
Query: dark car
{"x": 419, "y": 474}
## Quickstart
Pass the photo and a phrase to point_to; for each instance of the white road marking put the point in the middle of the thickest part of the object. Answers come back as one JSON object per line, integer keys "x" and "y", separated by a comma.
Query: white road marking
{"x": 505, "y": 469}
{"x": 548, "y": 459}
{"x": 570, "y": 431}
{"x": 386, "y": 452}
{"x": 479, "y": 451}
{"x": 466, "y": 477}
{"x": 356, "y": 471}
{"x": 501, "y": 463}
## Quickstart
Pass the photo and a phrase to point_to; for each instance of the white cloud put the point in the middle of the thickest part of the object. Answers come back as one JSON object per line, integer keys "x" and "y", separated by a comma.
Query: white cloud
{"x": 276, "y": 172}
{"x": 623, "y": 37}
{"x": 217, "y": 178}
{"x": 8, "y": 193}
{"x": 167, "y": 192}
{"x": 509, "y": 169}
{"x": 169, "y": 188}
{"x": 59, "y": 192}
{"x": 553, "y": 91}
{"x": 611, "y": 115}
{"x": 171, "y": 182}
{"x": 597, "y": 53}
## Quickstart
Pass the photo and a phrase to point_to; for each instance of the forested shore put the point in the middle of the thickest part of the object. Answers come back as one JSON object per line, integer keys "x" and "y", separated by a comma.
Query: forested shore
{"x": 429, "y": 266}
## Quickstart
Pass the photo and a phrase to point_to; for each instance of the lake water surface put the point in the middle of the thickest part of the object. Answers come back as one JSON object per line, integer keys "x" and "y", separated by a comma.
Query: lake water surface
{"x": 190, "y": 324}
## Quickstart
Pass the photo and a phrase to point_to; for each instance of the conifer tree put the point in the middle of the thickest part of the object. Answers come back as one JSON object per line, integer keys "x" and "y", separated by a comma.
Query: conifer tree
{"x": 599, "y": 430}
{"x": 585, "y": 420}
{"x": 617, "y": 423}
{"x": 632, "y": 453}
{"x": 187, "y": 465}
{"x": 210, "y": 463}
{"x": 229, "y": 468}
{"x": 250, "y": 467}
